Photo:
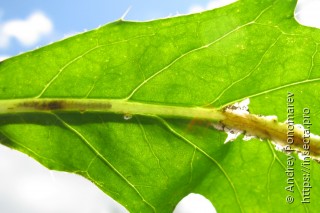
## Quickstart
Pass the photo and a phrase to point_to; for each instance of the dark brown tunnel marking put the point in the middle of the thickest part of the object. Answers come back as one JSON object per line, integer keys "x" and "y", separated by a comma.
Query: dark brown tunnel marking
{"x": 56, "y": 105}
{"x": 44, "y": 105}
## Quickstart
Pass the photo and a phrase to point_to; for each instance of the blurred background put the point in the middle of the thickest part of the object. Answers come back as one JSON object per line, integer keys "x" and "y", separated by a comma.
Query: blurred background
{"x": 25, "y": 185}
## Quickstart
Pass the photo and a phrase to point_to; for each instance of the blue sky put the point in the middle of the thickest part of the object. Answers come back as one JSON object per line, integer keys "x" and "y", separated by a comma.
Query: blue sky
{"x": 69, "y": 17}
{"x": 26, "y": 186}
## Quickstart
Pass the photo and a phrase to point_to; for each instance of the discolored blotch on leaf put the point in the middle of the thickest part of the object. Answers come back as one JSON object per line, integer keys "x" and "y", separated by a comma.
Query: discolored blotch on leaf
{"x": 44, "y": 105}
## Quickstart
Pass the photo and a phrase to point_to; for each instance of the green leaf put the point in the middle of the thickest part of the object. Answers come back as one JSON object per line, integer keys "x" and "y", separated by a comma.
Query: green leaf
{"x": 248, "y": 49}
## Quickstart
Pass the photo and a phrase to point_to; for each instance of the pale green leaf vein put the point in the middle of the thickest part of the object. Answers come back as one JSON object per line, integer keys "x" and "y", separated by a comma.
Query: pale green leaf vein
{"x": 150, "y": 146}
{"x": 28, "y": 149}
{"x": 248, "y": 75}
{"x": 275, "y": 155}
{"x": 178, "y": 59}
{"x": 312, "y": 60}
{"x": 81, "y": 56}
{"x": 64, "y": 67}
{"x": 191, "y": 165}
{"x": 269, "y": 170}
{"x": 167, "y": 125}
{"x": 106, "y": 161}
{"x": 195, "y": 50}
{"x": 274, "y": 89}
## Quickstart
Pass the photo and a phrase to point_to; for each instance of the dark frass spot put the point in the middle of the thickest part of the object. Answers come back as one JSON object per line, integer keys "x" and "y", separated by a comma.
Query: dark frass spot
{"x": 45, "y": 105}
{"x": 54, "y": 105}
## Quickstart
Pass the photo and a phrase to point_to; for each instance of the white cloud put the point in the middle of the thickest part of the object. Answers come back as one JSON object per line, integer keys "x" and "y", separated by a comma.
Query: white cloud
{"x": 4, "y": 57}
{"x": 26, "y": 186}
{"x": 219, "y": 3}
{"x": 194, "y": 203}
{"x": 211, "y": 5}
{"x": 196, "y": 9}
{"x": 28, "y": 32}
{"x": 307, "y": 13}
